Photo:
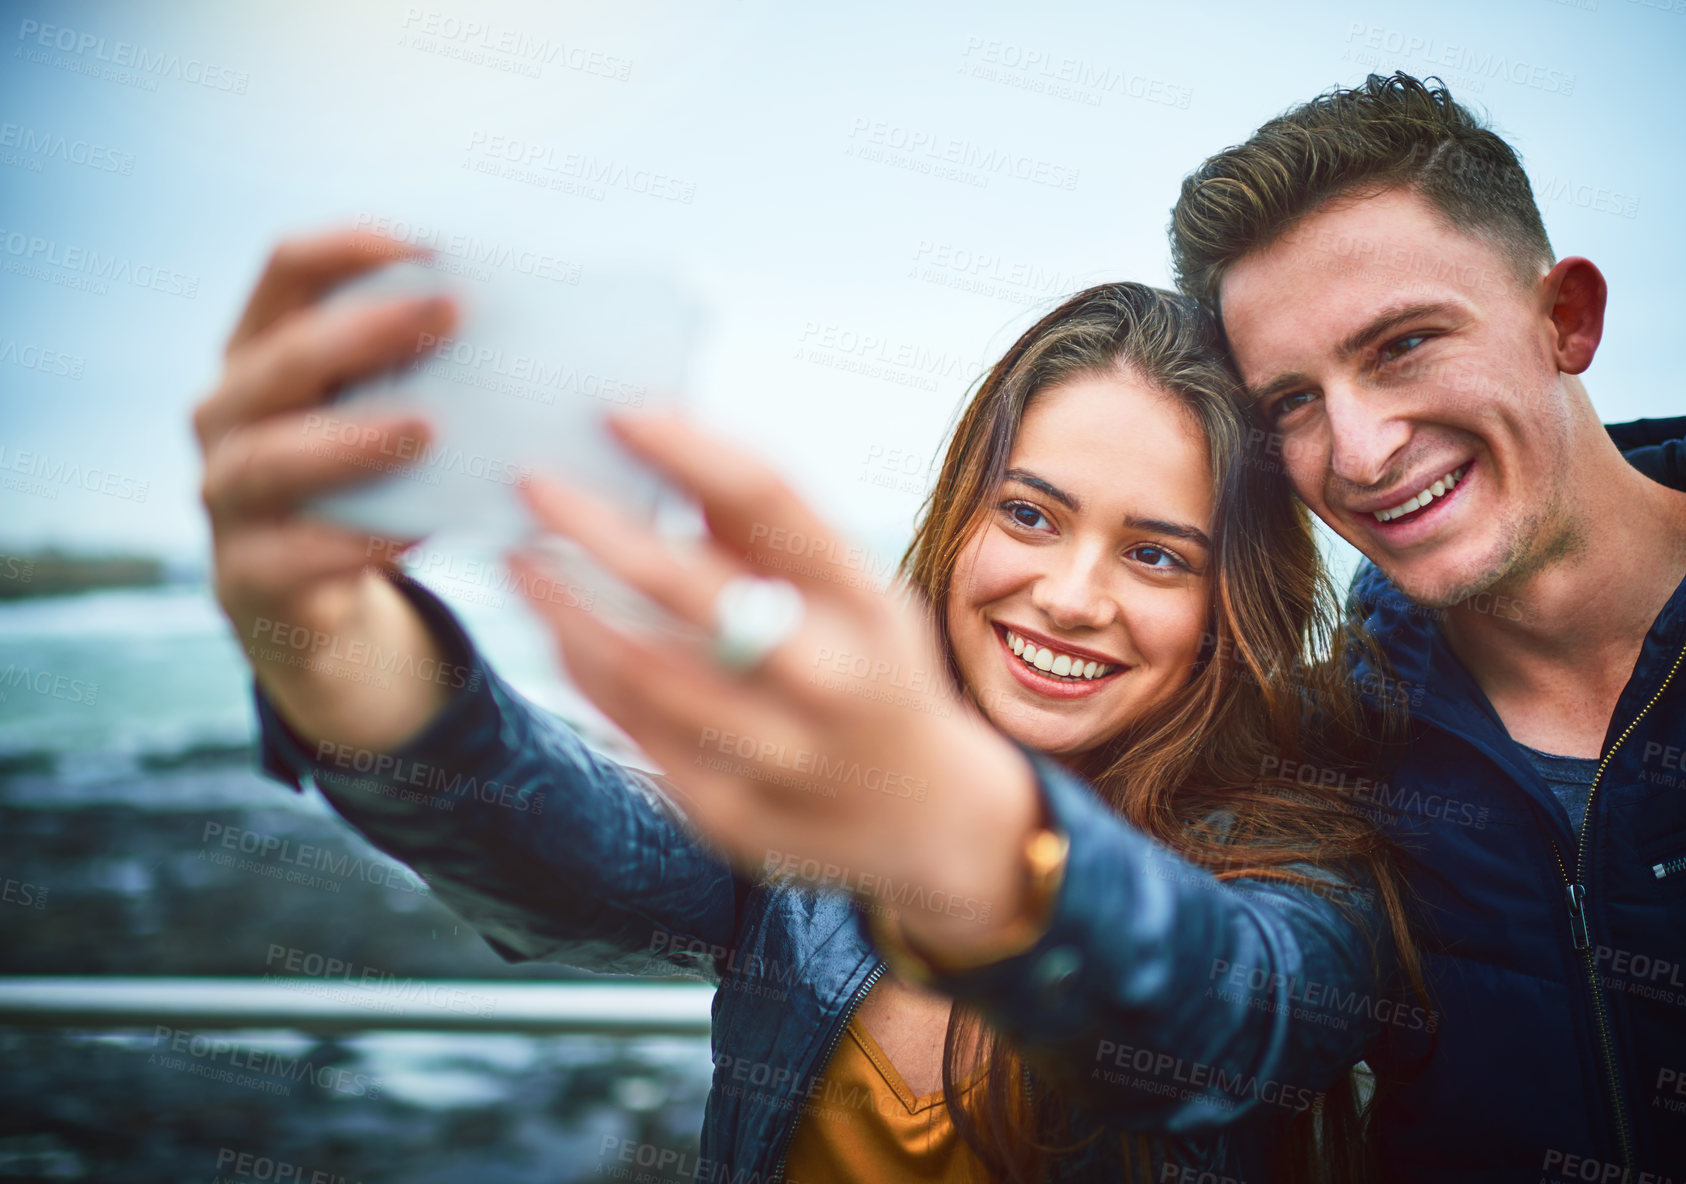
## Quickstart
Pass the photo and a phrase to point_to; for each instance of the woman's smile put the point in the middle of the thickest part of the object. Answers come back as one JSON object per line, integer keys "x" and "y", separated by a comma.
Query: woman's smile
{"x": 1049, "y": 668}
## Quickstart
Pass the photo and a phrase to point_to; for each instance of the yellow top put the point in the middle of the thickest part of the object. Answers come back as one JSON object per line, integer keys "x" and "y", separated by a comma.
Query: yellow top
{"x": 864, "y": 1124}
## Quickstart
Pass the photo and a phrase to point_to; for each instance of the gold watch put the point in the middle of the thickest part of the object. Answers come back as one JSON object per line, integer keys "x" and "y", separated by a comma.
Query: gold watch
{"x": 1044, "y": 858}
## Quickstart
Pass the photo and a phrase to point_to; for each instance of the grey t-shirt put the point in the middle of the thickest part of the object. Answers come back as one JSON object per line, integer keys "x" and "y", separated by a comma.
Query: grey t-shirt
{"x": 1570, "y": 778}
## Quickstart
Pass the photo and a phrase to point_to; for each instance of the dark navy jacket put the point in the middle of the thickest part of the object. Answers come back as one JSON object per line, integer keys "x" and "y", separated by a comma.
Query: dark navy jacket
{"x": 1159, "y": 1000}
{"x": 1562, "y": 1037}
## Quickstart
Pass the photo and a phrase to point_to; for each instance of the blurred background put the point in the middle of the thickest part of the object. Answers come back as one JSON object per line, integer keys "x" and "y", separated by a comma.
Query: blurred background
{"x": 871, "y": 199}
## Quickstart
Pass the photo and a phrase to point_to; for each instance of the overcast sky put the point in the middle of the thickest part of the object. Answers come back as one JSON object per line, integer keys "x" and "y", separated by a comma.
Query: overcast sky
{"x": 789, "y": 157}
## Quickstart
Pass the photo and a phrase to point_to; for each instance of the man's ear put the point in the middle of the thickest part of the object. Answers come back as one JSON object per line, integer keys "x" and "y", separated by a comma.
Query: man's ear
{"x": 1574, "y": 293}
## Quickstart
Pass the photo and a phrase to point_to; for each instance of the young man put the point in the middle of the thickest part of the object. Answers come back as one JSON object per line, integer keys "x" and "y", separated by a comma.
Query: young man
{"x": 1406, "y": 332}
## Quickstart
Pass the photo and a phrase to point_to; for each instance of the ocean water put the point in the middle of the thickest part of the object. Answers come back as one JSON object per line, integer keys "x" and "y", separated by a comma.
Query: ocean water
{"x": 98, "y": 690}
{"x": 126, "y": 731}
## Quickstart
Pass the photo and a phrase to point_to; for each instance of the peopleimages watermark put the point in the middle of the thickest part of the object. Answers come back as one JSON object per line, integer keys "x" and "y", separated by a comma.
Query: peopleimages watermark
{"x": 747, "y": 973}
{"x": 777, "y": 763}
{"x": 441, "y": 784}
{"x": 950, "y": 158}
{"x": 467, "y": 254}
{"x": 41, "y": 359}
{"x": 1062, "y": 76}
{"x": 1264, "y": 988}
{"x": 480, "y": 581}
{"x": 986, "y": 273}
{"x": 64, "y": 687}
{"x": 245, "y": 1165}
{"x": 294, "y": 863}
{"x": 580, "y": 174}
{"x": 876, "y": 892}
{"x": 22, "y": 893}
{"x": 1386, "y": 800}
{"x": 509, "y": 51}
{"x": 357, "y": 660}
{"x": 405, "y": 456}
{"x": 1567, "y": 1166}
{"x": 40, "y": 145}
{"x": 229, "y": 1061}
{"x": 40, "y": 475}
{"x": 87, "y": 269}
{"x": 1455, "y": 64}
{"x": 324, "y": 976}
{"x": 877, "y": 355}
{"x": 902, "y": 470}
{"x": 1164, "y": 1074}
{"x": 137, "y": 65}
{"x": 525, "y": 376}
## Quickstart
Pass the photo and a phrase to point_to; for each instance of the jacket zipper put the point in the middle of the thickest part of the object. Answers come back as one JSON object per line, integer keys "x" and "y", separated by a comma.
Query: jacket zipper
{"x": 1574, "y": 893}
{"x": 825, "y": 1060}
{"x": 1669, "y": 867}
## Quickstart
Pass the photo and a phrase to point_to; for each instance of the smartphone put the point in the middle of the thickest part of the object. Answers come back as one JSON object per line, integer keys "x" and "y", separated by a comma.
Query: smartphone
{"x": 520, "y": 387}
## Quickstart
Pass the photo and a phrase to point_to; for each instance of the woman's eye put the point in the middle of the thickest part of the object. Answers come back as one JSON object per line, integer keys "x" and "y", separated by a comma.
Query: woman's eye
{"x": 1156, "y": 557}
{"x": 1025, "y": 514}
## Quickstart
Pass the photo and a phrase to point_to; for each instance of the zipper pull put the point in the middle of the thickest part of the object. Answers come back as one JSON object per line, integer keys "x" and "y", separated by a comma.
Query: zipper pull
{"x": 1577, "y": 915}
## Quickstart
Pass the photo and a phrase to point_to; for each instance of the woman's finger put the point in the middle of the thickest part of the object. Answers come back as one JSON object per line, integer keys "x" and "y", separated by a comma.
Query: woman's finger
{"x": 289, "y": 554}
{"x": 751, "y": 511}
{"x": 684, "y": 583}
{"x": 272, "y": 466}
{"x": 300, "y": 270}
{"x": 659, "y": 697}
{"x": 312, "y": 352}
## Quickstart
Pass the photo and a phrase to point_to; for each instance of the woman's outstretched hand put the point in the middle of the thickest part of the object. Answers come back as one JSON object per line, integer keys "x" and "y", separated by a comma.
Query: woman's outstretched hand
{"x": 845, "y": 757}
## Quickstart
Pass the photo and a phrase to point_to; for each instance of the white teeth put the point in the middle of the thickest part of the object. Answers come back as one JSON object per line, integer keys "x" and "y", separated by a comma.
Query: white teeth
{"x": 1440, "y": 488}
{"x": 1059, "y": 665}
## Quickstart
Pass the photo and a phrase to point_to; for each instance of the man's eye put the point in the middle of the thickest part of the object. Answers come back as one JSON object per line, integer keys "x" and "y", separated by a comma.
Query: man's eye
{"x": 1403, "y": 346}
{"x": 1289, "y": 403}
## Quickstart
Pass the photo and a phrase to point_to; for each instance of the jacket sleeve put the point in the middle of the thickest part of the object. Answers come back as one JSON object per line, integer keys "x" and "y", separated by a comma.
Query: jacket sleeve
{"x": 1166, "y": 1000}
{"x": 551, "y": 851}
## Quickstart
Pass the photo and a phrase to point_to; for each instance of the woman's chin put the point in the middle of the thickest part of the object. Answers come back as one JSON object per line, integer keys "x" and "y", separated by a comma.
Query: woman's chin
{"x": 1036, "y": 730}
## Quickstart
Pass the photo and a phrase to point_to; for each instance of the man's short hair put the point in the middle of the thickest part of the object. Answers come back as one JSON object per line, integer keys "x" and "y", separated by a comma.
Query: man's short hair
{"x": 1393, "y": 132}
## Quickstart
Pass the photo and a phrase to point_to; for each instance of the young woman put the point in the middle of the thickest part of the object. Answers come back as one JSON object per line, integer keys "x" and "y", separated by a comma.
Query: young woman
{"x": 1172, "y": 970}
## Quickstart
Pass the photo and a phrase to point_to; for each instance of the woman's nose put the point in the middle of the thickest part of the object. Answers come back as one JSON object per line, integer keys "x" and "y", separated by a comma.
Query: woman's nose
{"x": 1072, "y": 595}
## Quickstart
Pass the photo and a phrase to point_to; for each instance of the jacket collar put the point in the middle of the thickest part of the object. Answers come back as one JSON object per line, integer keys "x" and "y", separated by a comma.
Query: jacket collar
{"x": 1435, "y": 688}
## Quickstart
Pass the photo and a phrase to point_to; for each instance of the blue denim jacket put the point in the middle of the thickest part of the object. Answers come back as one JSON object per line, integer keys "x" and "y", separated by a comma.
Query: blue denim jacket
{"x": 1159, "y": 1000}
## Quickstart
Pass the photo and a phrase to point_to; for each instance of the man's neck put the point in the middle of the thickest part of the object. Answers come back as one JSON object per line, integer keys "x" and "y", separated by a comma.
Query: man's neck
{"x": 1553, "y": 663}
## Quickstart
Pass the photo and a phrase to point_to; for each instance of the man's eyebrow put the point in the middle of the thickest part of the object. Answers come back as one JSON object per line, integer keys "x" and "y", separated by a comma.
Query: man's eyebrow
{"x": 1176, "y": 530}
{"x": 1379, "y": 325}
{"x": 1385, "y": 322}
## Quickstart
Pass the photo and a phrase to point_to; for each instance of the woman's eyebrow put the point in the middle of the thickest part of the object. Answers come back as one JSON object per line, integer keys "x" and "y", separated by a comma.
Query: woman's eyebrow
{"x": 1026, "y": 477}
{"x": 1177, "y": 530}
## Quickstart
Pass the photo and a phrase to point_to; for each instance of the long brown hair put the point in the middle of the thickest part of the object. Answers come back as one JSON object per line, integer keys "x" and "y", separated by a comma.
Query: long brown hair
{"x": 1267, "y": 689}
